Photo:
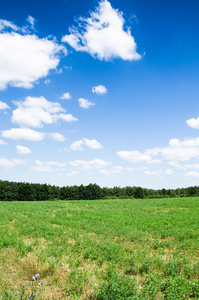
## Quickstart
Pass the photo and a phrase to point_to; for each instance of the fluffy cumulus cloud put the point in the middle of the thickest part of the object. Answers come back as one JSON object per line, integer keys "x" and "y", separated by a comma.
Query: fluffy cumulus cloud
{"x": 181, "y": 150}
{"x": 66, "y": 96}
{"x": 48, "y": 167}
{"x": 3, "y": 105}
{"x": 176, "y": 151}
{"x": 66, "y": 117}
{"x": 99, "y": 90}
{"x": 37, "y": 111}
{"x": 22, "y": 150}
{"x": 193, "y": 123}
{"x": 6, "y": 163}
{"x": 92, "y": 144}
{"x": 84, "y": 103}
{"x": 89, "y": 164}
{"x": 102, "y": 35}
{"x": 77, "y": 146}
{"x": 23, "y": 134}
{"x": 25, "y": 58}
{"x": 58, "y": 137}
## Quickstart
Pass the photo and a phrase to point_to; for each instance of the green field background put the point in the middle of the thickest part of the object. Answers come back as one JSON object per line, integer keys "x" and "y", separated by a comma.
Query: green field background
{"x": 101, "y": 249}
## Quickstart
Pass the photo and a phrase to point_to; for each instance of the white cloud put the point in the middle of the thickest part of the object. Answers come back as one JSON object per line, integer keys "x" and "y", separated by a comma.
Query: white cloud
{"x": 22, "y": 150}
{"x": 72, "y": 173}
{"x": 89, "y": 165}
{"x": 3, "y": 105}
{"x": 176, "y": 165}
{"x": 66, "y": 117}
{"x": 23, "y": 134}
{"x": 192, "y": 166}
{"x": 25, "y": 58}
{"x": 168, "y": 172}
{"x": 192, "y": 174}
{"x": 55, "y": 164}
{"x": 102, "y": 35}
{"x": 181, "y": 151}
{"x": 84, "y": 103}
{"x": 2, "y": 142}
{"x": 37, "y": 111}
{"x": 112, "y": 171}
{"x": 66, "y": 96}
{"x": 99, "y": 90}
{"x": 92, "y": 144}
{"x": 47, "y": 81}
{"x": 157, "y": 173}
{"x": 6, "y": 163}
{"x": 137, "y": 169}
{"x": 68, "y": 68}
{"x": 59, "y": 71}
{"x": 176, "y": 151}
{"x": 48, "y": 167}
{"x": 7, "y": 24}
{"x": 43, "y": 168}
{"x": 77, "y": 146}
{"x": 193, "y": 123}
{"x": 57, "y": 137}
{"x": 31, "y": 20}
{"x": 134, "y": 156}
{"x": 154, "y": 161}
{"x": 153, "y": 152}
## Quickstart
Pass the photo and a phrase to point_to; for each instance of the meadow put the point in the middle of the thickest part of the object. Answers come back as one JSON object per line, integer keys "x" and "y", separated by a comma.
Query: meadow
{"x": 100, "y": 249}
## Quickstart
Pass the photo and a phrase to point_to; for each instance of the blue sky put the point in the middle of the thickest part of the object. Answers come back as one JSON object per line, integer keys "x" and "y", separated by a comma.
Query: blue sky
{"x": 100, "y": 92}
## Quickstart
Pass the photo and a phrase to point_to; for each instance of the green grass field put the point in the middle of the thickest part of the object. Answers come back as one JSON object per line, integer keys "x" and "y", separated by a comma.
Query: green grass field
{"x": 104, "y": 249}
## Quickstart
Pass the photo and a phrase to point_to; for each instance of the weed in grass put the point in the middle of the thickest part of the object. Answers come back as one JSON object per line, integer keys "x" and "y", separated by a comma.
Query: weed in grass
{"x": 26, "y": 292}
{"x": 118, "y": 287}
{"x": 176, "y": 288}
{"x": 150, "y": 289}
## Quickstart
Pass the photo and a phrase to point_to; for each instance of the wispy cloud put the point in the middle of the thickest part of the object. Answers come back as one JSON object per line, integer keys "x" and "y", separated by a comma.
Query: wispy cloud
{"x": 89, "y": 164}
{"x": 48, "y": 166}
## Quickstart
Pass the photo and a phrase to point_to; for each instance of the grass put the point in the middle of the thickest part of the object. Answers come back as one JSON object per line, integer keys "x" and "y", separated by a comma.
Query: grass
{"x": 101, "y": 249}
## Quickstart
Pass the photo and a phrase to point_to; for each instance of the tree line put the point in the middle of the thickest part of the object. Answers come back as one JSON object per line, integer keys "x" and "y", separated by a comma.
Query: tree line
{"x": 24, "y": 191}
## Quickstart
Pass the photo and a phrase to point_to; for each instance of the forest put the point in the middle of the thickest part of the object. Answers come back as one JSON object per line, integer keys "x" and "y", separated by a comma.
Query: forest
{"x": 24, "y": 191}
